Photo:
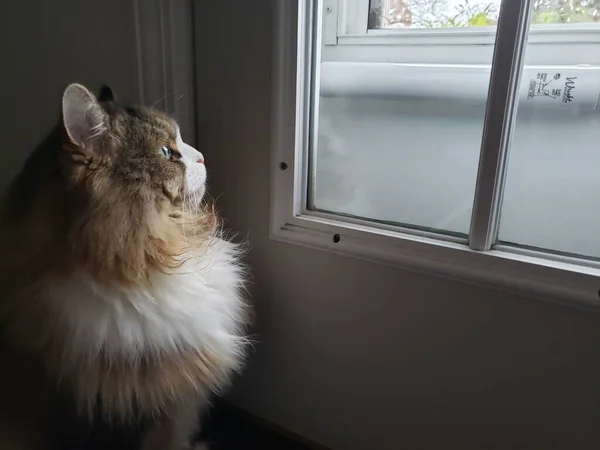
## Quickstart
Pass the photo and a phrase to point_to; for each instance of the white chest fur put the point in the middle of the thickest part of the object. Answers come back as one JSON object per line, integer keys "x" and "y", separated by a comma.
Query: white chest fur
{"x": 198, "y": 306}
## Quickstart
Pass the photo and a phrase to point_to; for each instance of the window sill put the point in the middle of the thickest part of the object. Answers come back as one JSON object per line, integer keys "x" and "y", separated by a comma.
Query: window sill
{"x": 554, "y": 281}
{"x": 575, "y": 34}
{"x": 462, "y": 46}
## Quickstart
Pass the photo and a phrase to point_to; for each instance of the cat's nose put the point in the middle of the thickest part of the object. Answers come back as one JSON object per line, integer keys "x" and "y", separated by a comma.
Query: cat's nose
{"x": 200, "y": 159}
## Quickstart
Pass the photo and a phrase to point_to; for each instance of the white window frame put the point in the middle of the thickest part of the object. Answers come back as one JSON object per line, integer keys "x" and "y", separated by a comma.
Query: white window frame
{"x": 549, "y": 277}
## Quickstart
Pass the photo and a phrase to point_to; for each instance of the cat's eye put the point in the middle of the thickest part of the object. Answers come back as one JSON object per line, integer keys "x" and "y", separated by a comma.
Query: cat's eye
{"x": 166, "y": 151}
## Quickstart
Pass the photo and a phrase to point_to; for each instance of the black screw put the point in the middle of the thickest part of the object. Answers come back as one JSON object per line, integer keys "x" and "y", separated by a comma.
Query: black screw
{"x": 336, "y": 238}
{"x": 282, "y": 166}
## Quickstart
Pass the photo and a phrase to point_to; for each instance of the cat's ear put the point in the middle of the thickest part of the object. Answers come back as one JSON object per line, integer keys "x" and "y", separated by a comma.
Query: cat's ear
{"x": 106, "y": 94}
{"x": 83, "y": 117}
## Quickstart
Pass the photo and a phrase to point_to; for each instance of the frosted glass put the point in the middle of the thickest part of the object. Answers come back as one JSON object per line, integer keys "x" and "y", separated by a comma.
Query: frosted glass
{"x": 552, "y": 194}
{"x": 411, "y": 162}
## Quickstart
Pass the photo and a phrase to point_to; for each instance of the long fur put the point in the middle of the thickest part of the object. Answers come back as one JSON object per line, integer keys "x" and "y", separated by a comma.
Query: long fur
{"x": 114, "y": 277}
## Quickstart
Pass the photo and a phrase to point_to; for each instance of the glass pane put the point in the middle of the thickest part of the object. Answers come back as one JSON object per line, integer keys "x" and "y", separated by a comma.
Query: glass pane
{"x": 433, "y": 13}
{"x": 400, "y": 14}
{"x": 398, "y": 142}
{"x": 552, "y": 193}
{"x": 565, "y": 11}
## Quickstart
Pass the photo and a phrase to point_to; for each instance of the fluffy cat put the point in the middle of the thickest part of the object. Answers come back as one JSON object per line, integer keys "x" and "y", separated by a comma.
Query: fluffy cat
{"x": 121, "y": 306}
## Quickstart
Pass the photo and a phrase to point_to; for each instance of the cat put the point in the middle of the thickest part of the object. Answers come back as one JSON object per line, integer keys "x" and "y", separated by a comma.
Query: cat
{"x": 121, "y": 304}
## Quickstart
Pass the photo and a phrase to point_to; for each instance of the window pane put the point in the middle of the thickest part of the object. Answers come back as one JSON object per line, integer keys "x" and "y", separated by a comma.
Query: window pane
{"x": 473, "y": 13}
{"x": 433, "y": 13}
{"x": 565, "y": 11}
{"x": 552, "y": 192}
{"x": 398, "y": 142}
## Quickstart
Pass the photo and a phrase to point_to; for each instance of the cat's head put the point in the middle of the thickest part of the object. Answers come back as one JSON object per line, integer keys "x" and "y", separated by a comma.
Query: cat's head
{"x": 129, "y": 148}
{"x": 139, "y": 184}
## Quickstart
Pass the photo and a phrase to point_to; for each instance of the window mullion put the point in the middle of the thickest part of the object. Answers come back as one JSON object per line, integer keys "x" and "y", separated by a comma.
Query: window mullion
{"x": 509, "y": 51}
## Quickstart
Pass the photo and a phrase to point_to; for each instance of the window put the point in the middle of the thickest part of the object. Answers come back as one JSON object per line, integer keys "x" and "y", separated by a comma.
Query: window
{"x": 459, "y": 137}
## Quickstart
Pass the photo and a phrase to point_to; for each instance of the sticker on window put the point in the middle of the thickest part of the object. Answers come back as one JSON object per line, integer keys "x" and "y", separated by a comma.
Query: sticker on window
{"x": 578, "y": 86}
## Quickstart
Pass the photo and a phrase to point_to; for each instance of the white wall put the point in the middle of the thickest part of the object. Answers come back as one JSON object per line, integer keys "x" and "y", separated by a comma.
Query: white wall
{"x": 360, "y": 356}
